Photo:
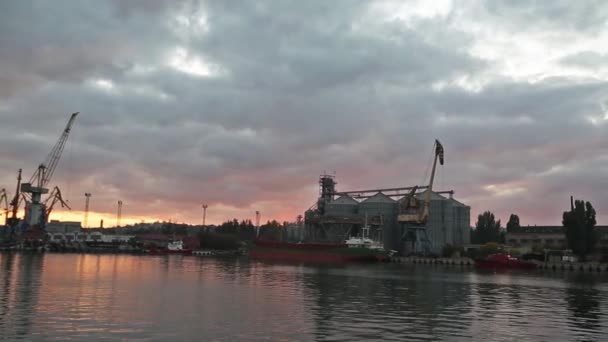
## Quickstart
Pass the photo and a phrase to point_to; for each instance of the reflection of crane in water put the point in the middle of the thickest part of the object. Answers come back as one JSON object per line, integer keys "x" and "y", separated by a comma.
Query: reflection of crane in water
{"x": 21, "y": 287}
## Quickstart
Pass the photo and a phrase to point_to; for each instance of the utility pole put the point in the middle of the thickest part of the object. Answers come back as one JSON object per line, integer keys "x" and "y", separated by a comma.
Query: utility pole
{"x": 86, "y": 209}
{"x": 119, "y": 213}
{"x": 204, "y": 214}
{"x": 257, "y": 223}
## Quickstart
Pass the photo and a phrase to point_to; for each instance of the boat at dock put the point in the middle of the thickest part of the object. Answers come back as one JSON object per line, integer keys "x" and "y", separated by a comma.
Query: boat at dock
{"x": 315, "y": 252}
{"x": 355, "y": 249}
{"x": 173, "y": 247}
{"x": 503, "y": 261}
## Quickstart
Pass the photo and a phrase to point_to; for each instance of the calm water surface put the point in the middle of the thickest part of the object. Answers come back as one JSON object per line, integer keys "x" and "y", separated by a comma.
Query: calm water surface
{"x": 172, "y": 298}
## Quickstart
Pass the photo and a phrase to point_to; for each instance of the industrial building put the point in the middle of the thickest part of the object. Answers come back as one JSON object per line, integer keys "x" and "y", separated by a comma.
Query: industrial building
{"x": 528, "y": 238}
{"x": 338, "y": 215}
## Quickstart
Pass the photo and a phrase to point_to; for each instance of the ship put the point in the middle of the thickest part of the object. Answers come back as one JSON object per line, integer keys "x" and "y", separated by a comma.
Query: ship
{"x": 316, "y": 252}
{"x": 173, "y": 247}
{"x": 504, "y": 261}
{"x": 355, "y": 249}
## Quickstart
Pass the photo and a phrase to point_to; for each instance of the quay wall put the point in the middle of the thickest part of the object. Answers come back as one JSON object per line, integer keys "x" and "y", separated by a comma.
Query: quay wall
{"x": 468, "y": 262}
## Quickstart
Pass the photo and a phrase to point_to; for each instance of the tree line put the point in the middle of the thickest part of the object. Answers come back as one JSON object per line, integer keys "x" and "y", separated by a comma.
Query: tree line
{"x": 233, "y": 233}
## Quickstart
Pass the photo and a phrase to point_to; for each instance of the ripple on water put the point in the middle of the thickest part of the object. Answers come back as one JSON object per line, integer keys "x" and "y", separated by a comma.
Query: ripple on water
{"x": 131, "y": 298}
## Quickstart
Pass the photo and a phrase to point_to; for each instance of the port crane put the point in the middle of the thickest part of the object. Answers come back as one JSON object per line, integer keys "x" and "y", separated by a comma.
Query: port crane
{"x": 54, "y": 198}
{"x": 4, "y": 197}
{"x": 35, "y": 209}
{"x": 414, "y": 212}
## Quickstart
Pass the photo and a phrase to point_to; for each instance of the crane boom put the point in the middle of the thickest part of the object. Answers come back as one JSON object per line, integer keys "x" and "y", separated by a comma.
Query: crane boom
{"x": 412, "y": 212}
{"x": 54, "y": 198}
{"x": 46, "y": 170}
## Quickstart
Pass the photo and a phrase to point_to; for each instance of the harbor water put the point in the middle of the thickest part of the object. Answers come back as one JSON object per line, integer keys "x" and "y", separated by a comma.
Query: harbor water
{"x": 88, "y": 297}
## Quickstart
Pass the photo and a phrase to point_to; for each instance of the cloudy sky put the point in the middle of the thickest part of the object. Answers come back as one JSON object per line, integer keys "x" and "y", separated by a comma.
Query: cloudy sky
{"x": 242, "y": 104}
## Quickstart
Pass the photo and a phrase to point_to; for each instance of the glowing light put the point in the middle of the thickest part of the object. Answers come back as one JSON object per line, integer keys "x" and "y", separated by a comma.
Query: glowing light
{"x": 188, "y": 63}
{"x": 504, "y": 190}
{"x": 104, "y": 84}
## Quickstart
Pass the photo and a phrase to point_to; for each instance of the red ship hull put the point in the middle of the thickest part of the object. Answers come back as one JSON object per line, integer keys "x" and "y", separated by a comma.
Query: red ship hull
{"x": 313, "y": 253}
{"x": 502, "y": 261}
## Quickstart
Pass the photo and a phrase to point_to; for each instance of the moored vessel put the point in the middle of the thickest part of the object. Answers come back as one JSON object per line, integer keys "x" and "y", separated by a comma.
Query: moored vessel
{"x": 503, "y": 261}
{"x": 315, "y": 252}
{"x": 173, "y": 247}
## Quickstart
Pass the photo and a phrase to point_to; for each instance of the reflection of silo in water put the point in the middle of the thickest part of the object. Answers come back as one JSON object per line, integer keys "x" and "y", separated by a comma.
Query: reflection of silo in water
{"x": 381, "y": 213}
{"x": 340, "y": 217}
{"x": 368, "y": 295}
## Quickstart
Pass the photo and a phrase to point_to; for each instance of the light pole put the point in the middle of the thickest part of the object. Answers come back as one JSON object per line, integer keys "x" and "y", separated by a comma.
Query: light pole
{"x": 204, "y": 213}
{"x": 257, "y": 223}
{"x": 87, "y": 195}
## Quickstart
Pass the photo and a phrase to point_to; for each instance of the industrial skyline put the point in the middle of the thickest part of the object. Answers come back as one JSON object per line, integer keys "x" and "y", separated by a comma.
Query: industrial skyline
{"x": 241, "y": 106}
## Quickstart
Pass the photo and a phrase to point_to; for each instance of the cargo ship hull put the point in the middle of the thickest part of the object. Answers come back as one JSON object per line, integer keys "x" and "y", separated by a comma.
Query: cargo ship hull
{"x": 314, "y": 253}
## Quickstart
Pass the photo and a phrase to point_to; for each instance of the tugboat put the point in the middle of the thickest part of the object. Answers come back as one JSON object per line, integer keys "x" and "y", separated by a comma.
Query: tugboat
{"x": 173, "y": 247}
{"x": 503, "y": 261}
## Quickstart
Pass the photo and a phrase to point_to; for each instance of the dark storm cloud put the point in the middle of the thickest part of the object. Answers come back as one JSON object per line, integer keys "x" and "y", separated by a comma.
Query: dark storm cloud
{"x": 291, "y": 89}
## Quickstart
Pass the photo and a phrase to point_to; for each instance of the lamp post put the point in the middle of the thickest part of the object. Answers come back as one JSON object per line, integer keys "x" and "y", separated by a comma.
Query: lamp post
{"x": 204, "y": 213}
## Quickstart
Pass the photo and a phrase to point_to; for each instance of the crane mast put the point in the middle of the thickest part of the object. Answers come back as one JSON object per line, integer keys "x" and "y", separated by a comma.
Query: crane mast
{"x": 35, "y": 211}
{"x": 411, "y": 210}
{"x": 15, "y": 202}
{"x": 4, "y": 198}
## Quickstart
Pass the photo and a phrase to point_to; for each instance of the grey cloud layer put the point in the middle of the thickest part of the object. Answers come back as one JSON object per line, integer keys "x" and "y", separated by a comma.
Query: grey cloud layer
{"x": 303, "y": 87}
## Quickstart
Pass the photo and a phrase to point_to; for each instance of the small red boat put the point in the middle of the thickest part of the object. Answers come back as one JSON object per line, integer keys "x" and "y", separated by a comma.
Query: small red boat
{"x": 503, "y": 261}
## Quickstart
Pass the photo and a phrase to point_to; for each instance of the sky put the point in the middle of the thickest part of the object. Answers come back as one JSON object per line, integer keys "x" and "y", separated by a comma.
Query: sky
{"x": 241, "y": 105}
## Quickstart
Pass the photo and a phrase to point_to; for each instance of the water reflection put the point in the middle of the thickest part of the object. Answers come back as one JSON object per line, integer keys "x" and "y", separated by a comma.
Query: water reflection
{"x": 21, "y": 282}
{"x": 160, "y": 298}
{"x": 349, "y": 304}
{"x": 584, "y": 305}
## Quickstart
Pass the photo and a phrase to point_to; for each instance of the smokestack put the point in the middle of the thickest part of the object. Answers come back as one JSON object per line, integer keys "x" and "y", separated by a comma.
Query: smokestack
{"x": 571, "y": 203}
{"x": 101, "y": 223}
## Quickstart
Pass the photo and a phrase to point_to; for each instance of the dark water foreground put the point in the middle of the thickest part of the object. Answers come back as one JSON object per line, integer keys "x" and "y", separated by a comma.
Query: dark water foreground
{"x": 75, "y": 297}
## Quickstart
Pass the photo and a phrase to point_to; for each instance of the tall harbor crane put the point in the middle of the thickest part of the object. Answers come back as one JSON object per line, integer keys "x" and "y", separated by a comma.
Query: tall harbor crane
{"x": 4, "y": 198}
{"x": 35, "y": 209}
{"x": 414, "y": 213}
{"x": 411, "y": 210}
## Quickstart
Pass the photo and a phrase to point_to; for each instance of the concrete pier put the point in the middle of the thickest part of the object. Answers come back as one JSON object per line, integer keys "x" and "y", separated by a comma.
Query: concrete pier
{"x": 593, "y": 267}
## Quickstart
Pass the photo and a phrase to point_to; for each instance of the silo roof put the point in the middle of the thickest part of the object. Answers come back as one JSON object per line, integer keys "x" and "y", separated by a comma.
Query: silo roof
{"x": 434, "y": 196}
{"x": 344, "y": 200}
{"x": 457, "y": 203}
{"x": 379, "y": 198}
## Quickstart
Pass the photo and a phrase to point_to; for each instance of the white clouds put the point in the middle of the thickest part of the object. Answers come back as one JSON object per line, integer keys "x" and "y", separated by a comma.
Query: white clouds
{"x": 103, "y": 84}
{"x": 503, "y": 190}
{"x": 187, "y": 62}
